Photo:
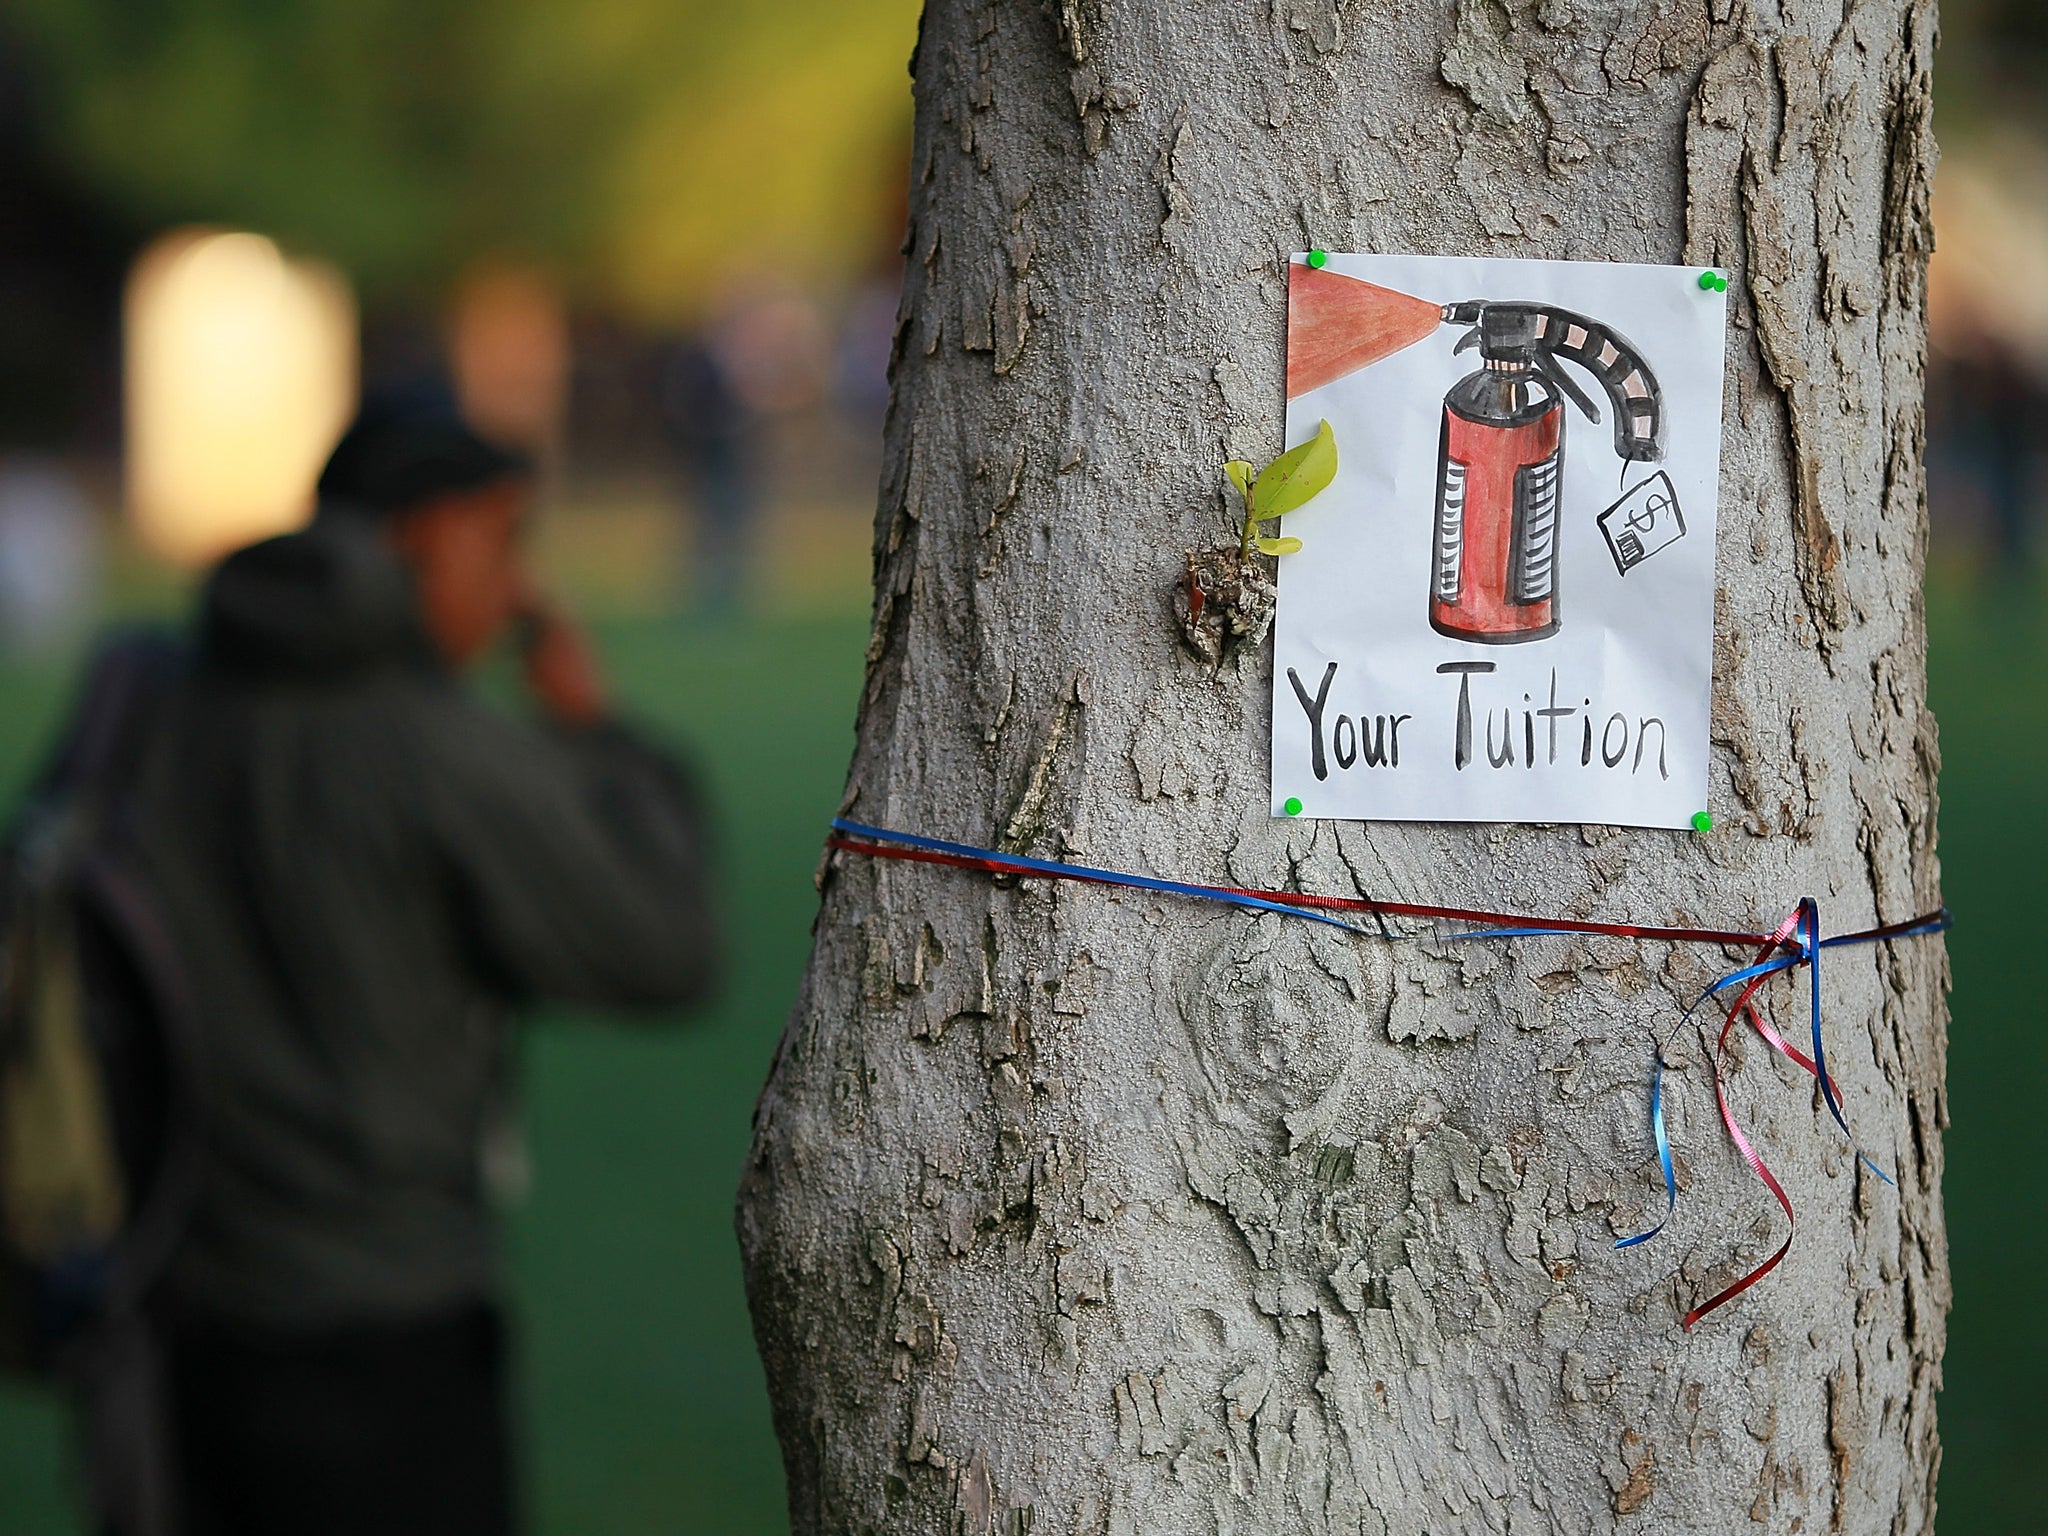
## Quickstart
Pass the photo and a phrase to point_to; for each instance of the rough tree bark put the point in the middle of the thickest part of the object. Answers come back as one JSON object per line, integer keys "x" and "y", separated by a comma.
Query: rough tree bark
{"x": 1072, "y": 1210}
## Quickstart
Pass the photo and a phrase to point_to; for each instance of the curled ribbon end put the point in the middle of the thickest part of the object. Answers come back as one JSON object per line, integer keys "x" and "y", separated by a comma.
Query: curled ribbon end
{"x": 1663, "y": 1140}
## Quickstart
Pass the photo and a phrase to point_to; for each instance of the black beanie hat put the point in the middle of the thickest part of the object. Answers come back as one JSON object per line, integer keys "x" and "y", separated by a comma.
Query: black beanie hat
{"x": 403, "y": 451}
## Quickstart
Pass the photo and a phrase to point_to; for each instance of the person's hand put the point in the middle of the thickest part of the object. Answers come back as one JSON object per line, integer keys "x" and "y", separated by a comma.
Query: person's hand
{"x": 562, "y": 670}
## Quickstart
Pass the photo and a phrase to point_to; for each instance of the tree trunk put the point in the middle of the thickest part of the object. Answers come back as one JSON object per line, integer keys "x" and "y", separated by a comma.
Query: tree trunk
{"x": 1080, "y": 1210}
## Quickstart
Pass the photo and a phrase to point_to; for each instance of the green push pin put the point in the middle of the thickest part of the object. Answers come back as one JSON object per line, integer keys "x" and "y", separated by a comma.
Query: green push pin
{"x": 1292, "y": 806}
{"x": 1316, "y": 259}
{"x": 1713, "y": 282}
{"x": 1702, "y": 822}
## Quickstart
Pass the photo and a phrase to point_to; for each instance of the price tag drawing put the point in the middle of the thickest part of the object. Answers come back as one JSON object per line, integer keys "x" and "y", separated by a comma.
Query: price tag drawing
{"x": 1644, "y": 521}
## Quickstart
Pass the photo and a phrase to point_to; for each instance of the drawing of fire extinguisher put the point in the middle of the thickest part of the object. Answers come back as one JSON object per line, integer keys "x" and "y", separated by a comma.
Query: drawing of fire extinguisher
{"x": 1500, "y": 462}
{"x": 1500, "y": 457}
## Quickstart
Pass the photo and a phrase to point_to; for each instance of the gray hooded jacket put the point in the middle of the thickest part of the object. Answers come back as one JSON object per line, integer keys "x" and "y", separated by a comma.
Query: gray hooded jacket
{"x": 363, "y": 869}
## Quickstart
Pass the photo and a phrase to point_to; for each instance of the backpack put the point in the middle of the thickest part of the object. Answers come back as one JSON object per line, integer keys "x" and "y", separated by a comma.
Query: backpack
{"x": 97, "y": 1155}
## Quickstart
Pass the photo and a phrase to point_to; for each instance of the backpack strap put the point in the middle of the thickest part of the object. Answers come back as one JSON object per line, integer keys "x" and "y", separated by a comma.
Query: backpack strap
{"x": 69, "y": 861}
{"x": 129, "y": 687}
{"x": 100, "y": 752}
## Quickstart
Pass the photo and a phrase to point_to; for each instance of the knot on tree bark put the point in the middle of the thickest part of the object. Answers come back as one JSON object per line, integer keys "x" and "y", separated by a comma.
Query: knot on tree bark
{"x": 1224, "y": 602}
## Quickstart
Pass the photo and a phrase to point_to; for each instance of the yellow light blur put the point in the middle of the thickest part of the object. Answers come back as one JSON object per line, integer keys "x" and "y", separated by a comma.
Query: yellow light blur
{"x": 240, "y": 376}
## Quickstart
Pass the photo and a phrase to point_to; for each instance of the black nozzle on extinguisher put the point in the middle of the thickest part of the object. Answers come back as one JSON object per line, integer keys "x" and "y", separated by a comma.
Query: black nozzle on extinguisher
{"x": 1536, "y": 337}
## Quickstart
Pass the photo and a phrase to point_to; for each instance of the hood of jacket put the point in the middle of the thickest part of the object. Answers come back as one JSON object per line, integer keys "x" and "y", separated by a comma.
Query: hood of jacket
{"x": 329, "y": 600}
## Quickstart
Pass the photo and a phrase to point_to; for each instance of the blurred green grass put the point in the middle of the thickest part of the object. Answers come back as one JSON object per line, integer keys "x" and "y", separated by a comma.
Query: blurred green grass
{"x": 1988, "y": 682}
{"x": 644, "y": 1404}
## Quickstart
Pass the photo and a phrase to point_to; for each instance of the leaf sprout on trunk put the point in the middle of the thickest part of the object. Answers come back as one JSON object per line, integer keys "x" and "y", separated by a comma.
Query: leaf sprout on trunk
{"x": 1285, "y": 485}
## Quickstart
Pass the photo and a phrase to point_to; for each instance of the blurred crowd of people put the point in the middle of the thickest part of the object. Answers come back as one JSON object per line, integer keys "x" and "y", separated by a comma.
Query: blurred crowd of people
{"x": 728, "y": 394}
{"x": 775, "y": 396}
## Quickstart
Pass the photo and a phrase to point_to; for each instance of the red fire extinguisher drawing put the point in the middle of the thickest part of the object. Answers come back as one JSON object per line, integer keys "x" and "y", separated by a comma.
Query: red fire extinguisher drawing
{"x": 1500, "y": 456}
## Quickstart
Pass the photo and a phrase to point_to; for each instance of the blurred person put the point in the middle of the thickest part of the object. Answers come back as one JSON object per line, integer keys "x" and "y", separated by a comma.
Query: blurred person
{"x": 775, "y": 347}
{"x": 363, "y": 869}
{"x": 2007, "y": 410}
{"x": 867, "y": 336}
{"x": 711, "y": 434}
{"x": 738, "y": 399}
{"x": 49, "y": 553}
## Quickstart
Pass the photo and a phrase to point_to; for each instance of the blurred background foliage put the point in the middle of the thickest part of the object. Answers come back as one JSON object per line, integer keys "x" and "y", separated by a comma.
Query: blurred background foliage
{"x": 642, "y": 148}
{"x": 650, "y": 193}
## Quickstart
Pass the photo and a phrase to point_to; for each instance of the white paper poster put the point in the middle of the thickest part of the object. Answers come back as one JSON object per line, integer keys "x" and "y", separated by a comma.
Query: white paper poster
{"x": 1503, "y": 606}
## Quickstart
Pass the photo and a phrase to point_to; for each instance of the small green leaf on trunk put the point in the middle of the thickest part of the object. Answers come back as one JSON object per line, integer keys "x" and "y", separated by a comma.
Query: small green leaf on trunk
{"x": 1295, "y": 477}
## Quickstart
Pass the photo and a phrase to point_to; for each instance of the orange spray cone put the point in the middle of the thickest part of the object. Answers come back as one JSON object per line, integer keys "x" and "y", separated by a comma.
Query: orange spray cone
{"x": 1337, "y": 325}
